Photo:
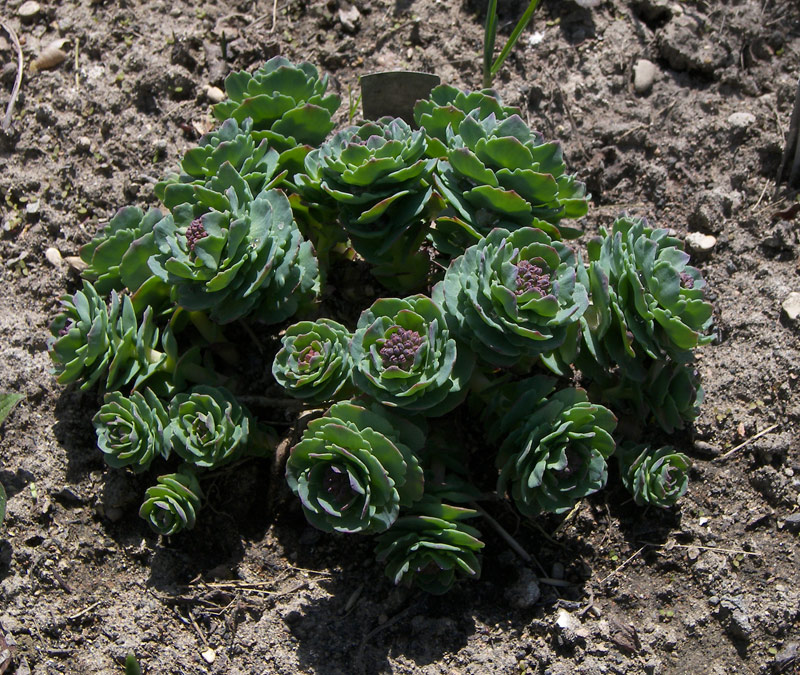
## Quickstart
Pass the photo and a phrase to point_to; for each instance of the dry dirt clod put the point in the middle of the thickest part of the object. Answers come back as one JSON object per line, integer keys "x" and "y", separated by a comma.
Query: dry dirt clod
{"x": 29, "y": 10}
{"x": 51, "y": 56}
{"x": 741, "y": 120}
{"x": 644, "y": 74}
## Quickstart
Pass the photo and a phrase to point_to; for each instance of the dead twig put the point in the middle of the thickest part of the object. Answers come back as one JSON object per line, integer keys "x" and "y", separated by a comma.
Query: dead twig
{"x": 622, "y": 566}
{"x": 722, "y": 458}
{"x": 84, "y": 611}
{"x": 703, "y": 548}
{"x": 18, "y": 80}
{"x": 521, "y": 552}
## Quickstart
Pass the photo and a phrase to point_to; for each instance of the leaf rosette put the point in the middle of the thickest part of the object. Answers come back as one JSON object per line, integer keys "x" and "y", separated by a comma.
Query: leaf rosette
{"x": 247, "y": 257}
{"x": 499, "y": 172}
{"x": 448, "y": 106}
{"x": 231, "y": 146}
{"x": 654, "y": 477}
{"x": 314, "y": 361}
{"x": 404, "y": 356}
{"x": 208, "y": 428}
{"x": 380, "y": 179}
{"x": 95, "y": 342}
{"x": 513, "y": 295}
{"x": 171, "y": 506}
{"x": 646, "y": 299}
{"x": 287, "y": 104}
{"x": 430, "y": 546}
{"x": 554, "y": 445}
{"x": 355, "y": 467}
{"x": 671, "y": 393}
{"x": 130, "y": 430}
{"x": 115, "y": 256}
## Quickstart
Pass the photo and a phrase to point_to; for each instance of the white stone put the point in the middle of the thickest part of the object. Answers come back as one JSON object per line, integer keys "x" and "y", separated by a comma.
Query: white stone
{"x": 214, "y": 94}
{"x": 741, "y": 120}
{"x": 644, "y": 74}
{"x": 791, "y": 306}
{"x": 54, "y": 257}
{"x": 699, "y": 242}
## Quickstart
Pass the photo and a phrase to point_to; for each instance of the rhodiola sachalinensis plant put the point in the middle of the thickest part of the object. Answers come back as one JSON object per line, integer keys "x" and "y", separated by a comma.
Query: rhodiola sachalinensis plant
{"x": 270, "y": 230}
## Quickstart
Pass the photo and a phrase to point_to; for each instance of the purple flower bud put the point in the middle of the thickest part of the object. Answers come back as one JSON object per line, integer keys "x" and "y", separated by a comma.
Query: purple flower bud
{"x": 687, "y": 281}
{"x": 194, "y": 233}
{"x": 531, "y": 277}
{"x": 400, "y": 348}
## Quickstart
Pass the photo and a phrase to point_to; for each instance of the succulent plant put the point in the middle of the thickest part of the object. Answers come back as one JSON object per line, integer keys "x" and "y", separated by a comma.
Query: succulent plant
{"x": 116, "y": 256}
{"x": 248, "y": 257}
{"x": 448, "y": 106}
{"x": 232, "y": 146}
{"x": 429, "y": 546}
{"x": 97, "y": 343}
{"x": 172, "y": 504}
{"x": 314, "y": 362}
{"x": 654, "y": 477}
{"x": 355, "y": 467}
{"x": 513, "y": 295}
{"x": 670, "y": 393}
{"x": 646, "y": 299}
{"x": 500, "y": 173}
{"x": 380, "y": 178}
{"x": 287, "y": 104}
{"x": 404, "y": 356}
{"x": 130, "y": 430}
{"x": 208, "y": 427}
{"x": 554, "y": 446}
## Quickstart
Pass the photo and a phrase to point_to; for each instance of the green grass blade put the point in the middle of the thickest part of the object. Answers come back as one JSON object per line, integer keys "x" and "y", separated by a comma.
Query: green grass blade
{"x": 3, "y": 499}
{"x": 489, "y": 34}
{"x": 522, "y": 24}
{"x": 7, "y": 403}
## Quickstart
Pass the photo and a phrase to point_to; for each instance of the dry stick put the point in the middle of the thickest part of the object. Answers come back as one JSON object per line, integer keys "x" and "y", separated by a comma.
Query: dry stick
{"x": 197, "y": 628}
{"x": 716, "y": 549}
{"x": 274, "y": 15}
{"x": 18, "y": 80}
{"x": 85, "y": 610}
{"x": 77, "y": 64}
{"x": 622, "y": 566}
{"x": 521, "y": 552}
{"x": 747, "y": 442}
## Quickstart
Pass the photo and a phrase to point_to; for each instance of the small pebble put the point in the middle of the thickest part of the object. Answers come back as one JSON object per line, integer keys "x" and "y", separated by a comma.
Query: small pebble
{"x": 791, "y": 306}
{"x": 75, "y": 263}
{"x": 209, "y": 656}
{"x": 349, "y": 17}
{"x": 214, "y": 94}
{"x": 741, "y": 120}
{"x": 29, "y": 10}
{"x": 83, "y": 144}
{"x": 644, "y": 74}
{"x": 792, "y": 523}
{"x": 699, "y": 242}
{"x": 54, "y": 257}
{"x": 32, "y": 207}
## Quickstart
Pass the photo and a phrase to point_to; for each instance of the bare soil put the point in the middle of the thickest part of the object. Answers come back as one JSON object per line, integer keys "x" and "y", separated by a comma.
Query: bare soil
{"x": 712, "y": 586}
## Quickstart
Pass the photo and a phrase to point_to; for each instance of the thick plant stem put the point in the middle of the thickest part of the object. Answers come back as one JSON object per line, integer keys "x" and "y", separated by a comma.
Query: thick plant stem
{"x": 792, "y": 150}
